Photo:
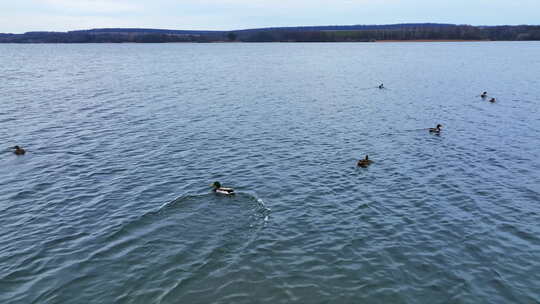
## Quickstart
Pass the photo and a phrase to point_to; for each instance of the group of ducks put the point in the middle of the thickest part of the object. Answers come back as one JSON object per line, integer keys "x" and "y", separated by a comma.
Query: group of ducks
{"x": 484, "y": 96}
{"x": 17, "y": 150}
{"x": 363, "y": 163}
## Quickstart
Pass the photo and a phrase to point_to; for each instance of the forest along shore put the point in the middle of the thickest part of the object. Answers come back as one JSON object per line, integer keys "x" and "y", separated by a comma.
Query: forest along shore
{"x": 425, "y": 32}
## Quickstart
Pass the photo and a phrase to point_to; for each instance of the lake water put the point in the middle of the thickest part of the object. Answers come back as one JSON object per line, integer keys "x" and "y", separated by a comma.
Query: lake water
{"x": 112, "y": 203}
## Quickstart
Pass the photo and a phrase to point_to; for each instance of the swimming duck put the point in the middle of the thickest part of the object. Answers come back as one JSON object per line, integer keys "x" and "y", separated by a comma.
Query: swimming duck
{"x": 364, "y": 162}
{"x": 492, "y": 100}
{"x": 484, "y": 95}
{"x": 437, "y": 129}
{"x": 381, "y": 86}
{"x": 218, "y": 189}
{"x": 19, "y": 150}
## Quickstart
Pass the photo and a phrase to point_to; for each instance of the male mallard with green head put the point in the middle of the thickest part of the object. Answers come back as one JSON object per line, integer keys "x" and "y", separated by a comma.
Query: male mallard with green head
{"x": 221, "y": 190}
{"x": 437, "y": 129}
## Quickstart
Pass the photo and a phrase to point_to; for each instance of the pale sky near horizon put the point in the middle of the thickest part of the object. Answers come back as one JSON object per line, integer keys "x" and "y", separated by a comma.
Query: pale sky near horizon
{"x": 17, "y": 16}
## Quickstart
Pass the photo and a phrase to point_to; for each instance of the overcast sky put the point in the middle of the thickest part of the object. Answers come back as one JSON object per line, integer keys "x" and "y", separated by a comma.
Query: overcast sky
{"x": 17, "y": 16}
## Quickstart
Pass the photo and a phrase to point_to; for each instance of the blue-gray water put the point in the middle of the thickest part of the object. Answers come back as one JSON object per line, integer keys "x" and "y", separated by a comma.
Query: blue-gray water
{"x": 112, "y": 202}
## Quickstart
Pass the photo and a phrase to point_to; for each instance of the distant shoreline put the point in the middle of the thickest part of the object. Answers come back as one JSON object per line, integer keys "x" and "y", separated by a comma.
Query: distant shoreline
{"x": 435, "y": 40}
{"x": 412, "y": 32}
{"x": 273, "y": 42}
{"x": 270, "y": 42}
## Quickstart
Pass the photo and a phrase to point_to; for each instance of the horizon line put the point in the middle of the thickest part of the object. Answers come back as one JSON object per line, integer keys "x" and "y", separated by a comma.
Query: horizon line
{"x": 266, "y": 28}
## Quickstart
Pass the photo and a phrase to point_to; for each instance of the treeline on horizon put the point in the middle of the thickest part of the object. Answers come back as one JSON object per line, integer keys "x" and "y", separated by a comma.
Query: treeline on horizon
{"x": 354, "y": 33}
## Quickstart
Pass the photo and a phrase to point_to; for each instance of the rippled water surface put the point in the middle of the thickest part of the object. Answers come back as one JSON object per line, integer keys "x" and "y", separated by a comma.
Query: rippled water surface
{"x": 112, "y": 204}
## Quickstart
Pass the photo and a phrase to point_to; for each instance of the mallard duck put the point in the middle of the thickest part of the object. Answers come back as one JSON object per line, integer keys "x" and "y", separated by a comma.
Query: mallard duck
{"x": 437, "y": 129}
{"x": 492, "y": 100}
{"x": 19, "y": 150}
{"x": 484, "y": 95}
{"x": 218, "y": 189}
{"x": 364, "y": 162}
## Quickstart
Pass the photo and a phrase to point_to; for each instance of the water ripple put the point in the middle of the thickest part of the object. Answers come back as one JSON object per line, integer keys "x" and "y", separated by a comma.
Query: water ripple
{"x": 111, "y": 204}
